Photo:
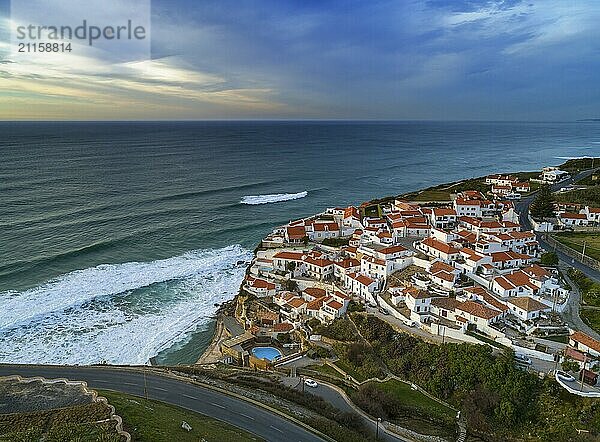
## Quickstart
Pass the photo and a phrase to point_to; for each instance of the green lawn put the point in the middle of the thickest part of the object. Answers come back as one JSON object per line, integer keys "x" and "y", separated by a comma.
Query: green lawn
{"x": 591, "y": 317}
{"x": 590, "y": 289}
{"x": 325, "y": 369}
{"x": 575, "y": 240}
{"x": 431, "y": 195}
{"x": 349, "y": 369}
{"x": 415, "y": 399}
{"x": 154, "y": 421}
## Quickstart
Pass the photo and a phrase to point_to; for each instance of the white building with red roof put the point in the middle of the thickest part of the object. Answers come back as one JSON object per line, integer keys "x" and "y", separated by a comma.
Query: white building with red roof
{"x": 516, "y": 283}
{"x": 438, "y": 249}
{"x": 571, "y": 219}
{"x": 592, "y": 214}
{"x": 362, "y": 286}
{"x": 585, "y": 344}
{"x": 259, "y": 287}
{"x": 527, "y": 308}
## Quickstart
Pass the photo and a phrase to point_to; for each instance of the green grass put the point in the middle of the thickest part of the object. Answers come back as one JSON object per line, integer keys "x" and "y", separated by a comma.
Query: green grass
{"x": 349, "y": 369}
{"x": 430, "y": 195}
{"x": 590, "y": 289}
{"x": 84, "y": 422}
{"x": 591, "y": 317}
{"x": 575, "y": 240}
{"x": 415, "y": 399}
{"x": 154, "y": 421}
{"x": 325, "y": 369}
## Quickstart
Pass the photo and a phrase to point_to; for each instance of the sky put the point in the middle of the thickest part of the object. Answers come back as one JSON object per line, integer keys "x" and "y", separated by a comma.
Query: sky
{"x": 278, "y": 59}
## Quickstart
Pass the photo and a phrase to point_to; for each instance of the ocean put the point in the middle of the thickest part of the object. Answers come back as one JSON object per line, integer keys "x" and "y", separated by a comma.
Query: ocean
{"x": 118, "y": 239}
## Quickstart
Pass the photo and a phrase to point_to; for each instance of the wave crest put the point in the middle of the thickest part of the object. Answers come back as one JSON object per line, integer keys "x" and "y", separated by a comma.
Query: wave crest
{"x": 272, "y": 198}
{"x": 122, "y": 313}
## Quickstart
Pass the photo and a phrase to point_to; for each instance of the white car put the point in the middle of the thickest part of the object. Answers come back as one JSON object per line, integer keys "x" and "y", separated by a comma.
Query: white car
{"x": 564, "y": 376}
{"x": 311, "y": 383}
{"x": 523, "y": 359}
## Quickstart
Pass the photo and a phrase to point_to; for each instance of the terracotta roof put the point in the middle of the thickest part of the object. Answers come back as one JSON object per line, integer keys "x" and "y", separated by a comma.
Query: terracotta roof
{"x": 315, "y": 305}
{"x": 364, "y": 280}
{"x": 319, "y": 262}
{"x": 528, "y": 304}
{"x": 297, "y": 302}
{"x": 445, "y": 303}
{"x": 442, "y": 274}
{"x": 295, "y": 256}
{"x": 443, "y": 211}
{"x": 326, "y": 227}
{"x": 334, "y": 305}
{"x": 586, "y": 340}
{"x": 439, "y": 245}
{"x": 416, "y": 293}
{"x": 569, "y": 215}
{"x": 259, "y": 283}
{"x": 439, "y": 266}
{"x": 315, "y": 292}
{"x": 393, "y": 249}
{"x": 479, "y": 310}
{"x": 296, "y": 232}
{"x": 283, "y": 327}
{"x": 535, "y": 270}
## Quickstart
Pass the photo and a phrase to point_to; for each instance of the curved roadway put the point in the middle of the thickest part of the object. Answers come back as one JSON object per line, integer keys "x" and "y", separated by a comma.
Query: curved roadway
{"x": 223, "y": 407}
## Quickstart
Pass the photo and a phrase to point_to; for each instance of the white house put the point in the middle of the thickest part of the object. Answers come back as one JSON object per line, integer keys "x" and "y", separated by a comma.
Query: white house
{"x": 438, "y": 249}
{"x": 592, "y": 214}
{"x": 553, "y": 174}
{"x": 526, "y": 308}
{"x": 259, "y": 287}
{"x": 362, "y": 286}
{"x": 569, "y": 219}
{"x": 585, "y": 344}
{"x": 516, "y": 283}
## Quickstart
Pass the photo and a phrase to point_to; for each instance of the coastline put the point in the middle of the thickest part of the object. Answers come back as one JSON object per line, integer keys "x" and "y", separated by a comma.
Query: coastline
{"x": 211, "y": 354}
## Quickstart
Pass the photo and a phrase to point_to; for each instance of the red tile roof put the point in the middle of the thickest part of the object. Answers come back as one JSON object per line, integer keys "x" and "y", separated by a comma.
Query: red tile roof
{"x": 586, "y": 340}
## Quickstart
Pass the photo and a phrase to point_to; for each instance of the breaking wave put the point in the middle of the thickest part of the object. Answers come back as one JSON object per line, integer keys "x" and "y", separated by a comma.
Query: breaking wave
{"x": 273, "y": 198}
{"x": 121, "y": 313}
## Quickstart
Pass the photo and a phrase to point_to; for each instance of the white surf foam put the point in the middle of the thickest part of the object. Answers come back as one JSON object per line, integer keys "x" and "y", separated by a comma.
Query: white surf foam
{"x": 272, "y": 198}
{"x": 113, "y": 312}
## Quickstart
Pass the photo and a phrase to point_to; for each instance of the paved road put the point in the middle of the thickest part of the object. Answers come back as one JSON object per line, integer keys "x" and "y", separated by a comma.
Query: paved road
{"x": 571, "y": 312}
{"x": 334, "y": 397}
{"x": 522, "y": 207}
{"x": 239, "y": 413}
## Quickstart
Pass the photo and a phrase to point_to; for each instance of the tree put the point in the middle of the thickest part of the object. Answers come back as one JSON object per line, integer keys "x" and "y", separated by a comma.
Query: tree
{"x": 549, "y": 259}
{"x": 291, "y": 285}
{"x": 570, "y": 365}
{"x": 543, "y": 204}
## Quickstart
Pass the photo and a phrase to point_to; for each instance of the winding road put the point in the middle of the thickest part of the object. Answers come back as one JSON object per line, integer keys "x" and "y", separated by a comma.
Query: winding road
{"x": 571, "y": 313}
{"x": 237, "y": 412}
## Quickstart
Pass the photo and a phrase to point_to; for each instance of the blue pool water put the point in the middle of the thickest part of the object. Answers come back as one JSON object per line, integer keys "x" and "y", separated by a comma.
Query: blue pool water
{"x": 268, "y": 353}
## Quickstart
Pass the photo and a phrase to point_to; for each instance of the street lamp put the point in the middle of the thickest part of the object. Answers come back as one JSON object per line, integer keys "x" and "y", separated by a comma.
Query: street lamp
{"x": 377, "y": 429}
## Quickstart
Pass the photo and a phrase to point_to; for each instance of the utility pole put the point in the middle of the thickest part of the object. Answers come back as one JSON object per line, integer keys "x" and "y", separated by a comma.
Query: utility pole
{"x": 583, "y": 252}
{"x": 145, "y": 384}
{"x": 582, "y": 372}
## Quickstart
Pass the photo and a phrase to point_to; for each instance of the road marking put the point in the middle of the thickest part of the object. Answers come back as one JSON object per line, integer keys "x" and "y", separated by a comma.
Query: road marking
{"x": 158, "y": 388}
{"x": 190, "y": 397}
{"x": 217, "y": 405}
{"x": 275, "y": 428}
{"x": 98, "y": 380}
{"x": 246, "y": 416}
{"x": 131, "y": 383}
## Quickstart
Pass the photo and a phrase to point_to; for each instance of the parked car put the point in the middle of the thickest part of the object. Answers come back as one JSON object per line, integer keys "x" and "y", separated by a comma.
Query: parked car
{"x": 564, "y": 376}
{"x": 383, "y": 311}
{"x": 523, "y": 359}
{"x": 311, "y": 383}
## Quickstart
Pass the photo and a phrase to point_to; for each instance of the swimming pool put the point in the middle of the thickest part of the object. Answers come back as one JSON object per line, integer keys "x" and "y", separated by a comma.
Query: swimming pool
{"x": 268, "y": 353}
